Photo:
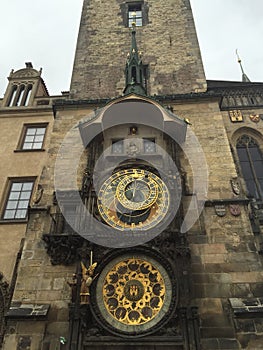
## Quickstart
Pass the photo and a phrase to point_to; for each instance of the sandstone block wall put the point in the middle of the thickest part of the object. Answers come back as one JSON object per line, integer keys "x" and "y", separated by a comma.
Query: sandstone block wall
{"x": 104, "y": 42}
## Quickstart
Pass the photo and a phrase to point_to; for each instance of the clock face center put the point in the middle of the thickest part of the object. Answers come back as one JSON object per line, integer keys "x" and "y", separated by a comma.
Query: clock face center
{"x": 133, "y": 290}
{"x": 133, "y": 199}
{"x": 137, "y": 191}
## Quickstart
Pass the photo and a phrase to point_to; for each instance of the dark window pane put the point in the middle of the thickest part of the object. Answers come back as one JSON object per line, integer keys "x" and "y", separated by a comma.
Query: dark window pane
{"x": 242, "y": 153}
{"x": 246, "y": 170}
{"x": 252, "y": 190}
{"x": 255, "y": 153}
{"x": 258, "y": 166}
{"x": 251, "y": 163}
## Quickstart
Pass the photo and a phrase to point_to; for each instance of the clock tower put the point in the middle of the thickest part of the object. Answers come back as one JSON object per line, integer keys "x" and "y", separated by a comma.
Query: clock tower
{"x": 137, "y": 291}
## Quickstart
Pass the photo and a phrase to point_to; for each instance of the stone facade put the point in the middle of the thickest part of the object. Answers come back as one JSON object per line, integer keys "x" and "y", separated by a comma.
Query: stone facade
{"x": 212, "y": 248}
{"x": 98, "y": 67}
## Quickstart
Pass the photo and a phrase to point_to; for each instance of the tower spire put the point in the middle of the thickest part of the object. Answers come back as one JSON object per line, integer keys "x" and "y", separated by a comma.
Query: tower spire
{"x": 134, "y": 70}
{"x": 245, "y": 78}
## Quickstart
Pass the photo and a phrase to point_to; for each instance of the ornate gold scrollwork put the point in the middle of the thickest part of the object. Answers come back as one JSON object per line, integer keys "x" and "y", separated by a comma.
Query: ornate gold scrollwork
{"x": 134, "y": 291}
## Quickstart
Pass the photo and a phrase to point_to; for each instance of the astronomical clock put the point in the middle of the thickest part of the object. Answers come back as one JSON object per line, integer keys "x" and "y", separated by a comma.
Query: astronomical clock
{"x": 133, "y": 198}
{"x": 133, "y": 283}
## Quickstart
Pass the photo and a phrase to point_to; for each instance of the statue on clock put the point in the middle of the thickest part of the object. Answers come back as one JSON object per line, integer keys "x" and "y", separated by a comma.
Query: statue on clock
{"x": 86, "y": 281}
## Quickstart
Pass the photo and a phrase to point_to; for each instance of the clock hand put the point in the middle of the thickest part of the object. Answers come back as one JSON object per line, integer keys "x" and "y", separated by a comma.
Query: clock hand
{"x": 134, "y": 189}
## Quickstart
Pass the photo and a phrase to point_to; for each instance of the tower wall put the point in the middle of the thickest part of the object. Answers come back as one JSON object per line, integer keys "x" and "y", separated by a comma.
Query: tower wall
{"x": 167, "y": 40}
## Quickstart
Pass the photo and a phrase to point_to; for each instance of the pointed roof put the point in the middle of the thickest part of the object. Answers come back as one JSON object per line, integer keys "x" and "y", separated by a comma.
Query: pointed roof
{"x": 135, "y": 79}
{"x": 245, "y": 78}
{"x": 133, "y": 56}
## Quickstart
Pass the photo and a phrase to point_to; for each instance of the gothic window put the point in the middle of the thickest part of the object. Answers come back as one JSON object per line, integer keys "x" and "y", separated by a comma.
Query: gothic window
{"x": 149, "y": 146}
{"x": 12, "y": 95}
{"x": 18, "y": 200}
{"x": 33, "y": 137}
{"x": 117, "y": 146}
{"x": 251, "y": 163}
{"x": 27, "y": 95}
{"x": 20, "y": 95}
{"x": 135, "y": 15}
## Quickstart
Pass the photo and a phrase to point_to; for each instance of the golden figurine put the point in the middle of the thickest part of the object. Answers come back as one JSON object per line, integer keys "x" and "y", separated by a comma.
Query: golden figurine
{"x": 86, "y": 281}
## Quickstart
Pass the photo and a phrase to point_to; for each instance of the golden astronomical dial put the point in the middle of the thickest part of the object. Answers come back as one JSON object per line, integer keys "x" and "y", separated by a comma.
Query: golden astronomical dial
{"x": 134, "y": 293}
{"x": 133, "y": 199}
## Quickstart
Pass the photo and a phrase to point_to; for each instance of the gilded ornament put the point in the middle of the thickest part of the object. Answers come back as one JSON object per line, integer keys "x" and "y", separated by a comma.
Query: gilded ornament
{"x": 254, "y": 118}
{"x": 133, "y": 199}
{"x": 134, "y": 291}
{"x": 235, "y": 116}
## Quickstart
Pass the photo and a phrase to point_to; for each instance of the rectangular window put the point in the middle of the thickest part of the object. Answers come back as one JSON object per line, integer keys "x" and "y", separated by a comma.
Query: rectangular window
{"x": 149, "y": 146}
{"x": 135, "y": 15}
{"x": 117, "y": 146}
{"x": 18, "y": 200}
{"x": 34, "y": 137}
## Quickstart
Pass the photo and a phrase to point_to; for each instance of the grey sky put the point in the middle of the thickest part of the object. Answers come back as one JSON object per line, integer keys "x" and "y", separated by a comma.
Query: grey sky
{"x": 45, "y": 33}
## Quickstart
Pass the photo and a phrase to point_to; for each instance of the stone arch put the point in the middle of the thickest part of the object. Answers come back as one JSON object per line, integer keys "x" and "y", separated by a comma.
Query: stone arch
{"x": 246, "y": 142}
{"x": 255, "y": 134}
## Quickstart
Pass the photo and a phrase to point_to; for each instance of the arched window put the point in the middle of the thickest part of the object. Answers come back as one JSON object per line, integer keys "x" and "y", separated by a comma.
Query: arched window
{"x": 27, "y": 95}
{"x": 12, "y": 95}
{"x": 19, "y": 95}
{"x": 251, "y": 162}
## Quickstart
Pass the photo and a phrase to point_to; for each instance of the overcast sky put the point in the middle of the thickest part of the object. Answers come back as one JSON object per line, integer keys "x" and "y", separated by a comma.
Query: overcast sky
{"x": 44, "y": 32}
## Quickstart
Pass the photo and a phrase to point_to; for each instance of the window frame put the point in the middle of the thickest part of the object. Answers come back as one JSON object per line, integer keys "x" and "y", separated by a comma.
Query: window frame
{"x": 24, "y": 134}
{"x": 242, "y": 144}
{"x": 132, "y": 3}
{"x": 152, "y": 140}
{"x": 138, "y": 19}
{"x": 20, "y": 94}
{"x": 11, "y": 182}
{"x": 113, "y": 141}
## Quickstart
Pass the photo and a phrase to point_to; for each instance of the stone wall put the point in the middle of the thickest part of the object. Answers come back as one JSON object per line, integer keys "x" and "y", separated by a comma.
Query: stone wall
{"x": 104, "y": 43}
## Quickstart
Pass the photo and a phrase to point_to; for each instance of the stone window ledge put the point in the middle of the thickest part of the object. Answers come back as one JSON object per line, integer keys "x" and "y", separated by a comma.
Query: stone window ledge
{"x": 247, "y": 308}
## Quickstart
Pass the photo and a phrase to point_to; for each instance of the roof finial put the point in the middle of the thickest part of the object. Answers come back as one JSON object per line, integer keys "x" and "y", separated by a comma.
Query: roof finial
{"x": 135, "y": 74}
{"x": 245, "y": 78}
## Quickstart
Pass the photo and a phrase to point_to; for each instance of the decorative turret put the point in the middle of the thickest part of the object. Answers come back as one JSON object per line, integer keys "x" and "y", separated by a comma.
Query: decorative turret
{"x": 134, "y": 70}
{"x": 245, "y": 78}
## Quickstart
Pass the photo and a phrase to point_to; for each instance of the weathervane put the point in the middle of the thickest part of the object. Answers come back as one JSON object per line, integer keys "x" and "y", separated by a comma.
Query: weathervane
{"x": 245, "y": 78}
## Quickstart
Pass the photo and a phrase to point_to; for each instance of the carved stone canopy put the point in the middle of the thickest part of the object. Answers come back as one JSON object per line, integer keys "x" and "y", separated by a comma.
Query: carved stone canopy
{"x": 136, "y": 110}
